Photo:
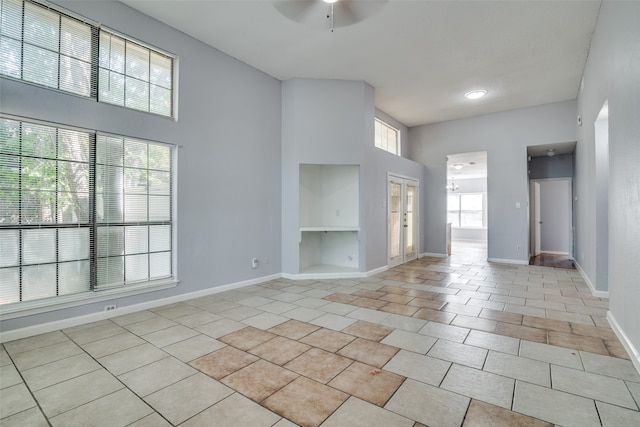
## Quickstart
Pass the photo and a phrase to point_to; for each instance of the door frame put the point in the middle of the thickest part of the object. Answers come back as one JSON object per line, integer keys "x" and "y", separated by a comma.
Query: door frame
{"x": 532, "y": 217}
{"x": 403, "y": 180}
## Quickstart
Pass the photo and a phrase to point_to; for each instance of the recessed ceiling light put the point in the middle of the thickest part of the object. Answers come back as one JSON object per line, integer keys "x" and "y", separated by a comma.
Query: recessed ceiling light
{"x": 330, "y": 1}
{"x": 475, "y": 94}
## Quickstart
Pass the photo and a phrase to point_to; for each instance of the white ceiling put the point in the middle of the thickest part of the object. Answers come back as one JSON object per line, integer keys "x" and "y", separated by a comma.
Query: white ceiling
{"x": 474, "y": 165}
{"x": 421, "y": 56}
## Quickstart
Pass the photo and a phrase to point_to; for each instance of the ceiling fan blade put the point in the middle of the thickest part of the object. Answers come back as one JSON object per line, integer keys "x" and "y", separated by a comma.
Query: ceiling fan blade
{"x": 348, "y": 12}
{"x": 298, "y": 10}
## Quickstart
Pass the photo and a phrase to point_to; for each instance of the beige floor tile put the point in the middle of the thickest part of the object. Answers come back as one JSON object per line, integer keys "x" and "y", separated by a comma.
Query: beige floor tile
{"x": 368, "y": 315}
{"x": 235, "y": 410}
{"x": 219, "y": 328}
{"x": 247, "y": 338}
{"x": 9, "y": 376}
{"x": 96, "y": 333}
{"x": 579, "y": 342}
{"x": 366, "y": 383}
{"x": 294, "y": 329}
{"x": 409, "y": 341}
{"x": 333, "y": 321}
{"x": 405, "y": 323}
{"x": 150, "y": 325}
{"x": 615, "y": 416}
{"x": 170, "y": 335}
{"x": 549, "y": 324}
{"x": 477, "y": 323}
{"x": 240, "y": 313}
{"x": 279, "y": 350}
{"x": 434, "y": 315}
{"x": 569, "y": 317}
{"x": 358, "y": 413}
{"x": 485, "y": 386}
{"x": 493, "y": 342}
{"x": 193, "y": 347}
{"x": 369, "y": 352}
{"x": 197, "y": 319}
{"x": 197, "y": 393}
{"x": 175, "y": 311}
{"x": 136, "y": 317}
{"x": 554, "y": 406}
{"x": 304, "y": 314}
{"x": 4, "y": 357}
{"x": 450, "y": 333}
{"x": 319, "y": 365}
{"x": 15, "y": 399}
{"x": 501, "y": 316}
{"x": 520, "y": 368}
{"x": 154, "y": 376}
{"x": 31, "y": 343}
{"x": 522, "y": 332}
{"x": 40, "y": 356}
{"x": 327, "y": 339}
{"x": 483, "y": 414}
{"x": 259, "y": 380}
{"x": 52, "y": 373}
{"x": 107, "y": 346}
{"x": 31, "y": 417}
{"x": 459, "y": 353}
{"x": 66, "y": 395}
{"x": 368, "y": 330}
{"x": 265, "y": 320}
{"x": 151, "y": 420}
{"x": 418, "y": 367}
{"x": 305, "y": 402}
{"x": 100, "y": 412}
{"x": 131, "y": 358}
{"x": 428, "y": 405}
{"x": 550, "y": 353}
{"x": 593, "y": 386}
{"x": 610, "y": 366}
{"x": 223, "y": 362}
{"x": 278, "y": 307}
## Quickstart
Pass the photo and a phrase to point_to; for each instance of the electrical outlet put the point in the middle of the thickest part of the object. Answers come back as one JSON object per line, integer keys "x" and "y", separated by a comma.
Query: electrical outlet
{"x": 254, "y": 263}
{"x": 110, "y": 307}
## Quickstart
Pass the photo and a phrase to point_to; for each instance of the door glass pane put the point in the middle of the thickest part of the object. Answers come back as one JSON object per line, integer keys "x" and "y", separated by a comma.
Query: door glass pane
{"x": 410, "y": 221}
{"x": 395, "y": 226}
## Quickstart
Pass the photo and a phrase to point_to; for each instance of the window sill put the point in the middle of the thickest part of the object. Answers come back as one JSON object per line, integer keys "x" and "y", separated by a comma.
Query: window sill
{"x": 28, "y": 308}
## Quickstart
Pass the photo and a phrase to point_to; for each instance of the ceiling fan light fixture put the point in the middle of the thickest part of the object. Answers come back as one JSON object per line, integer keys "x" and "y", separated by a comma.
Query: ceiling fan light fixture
{"x": 330, "y": 1}
{"x": 551, "y": 152}
{"x": 475, "y": 94}
{"x": 458, "y": 166}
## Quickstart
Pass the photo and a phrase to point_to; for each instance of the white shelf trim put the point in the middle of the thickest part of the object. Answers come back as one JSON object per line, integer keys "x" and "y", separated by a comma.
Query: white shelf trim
{"x": 331, "y": 228}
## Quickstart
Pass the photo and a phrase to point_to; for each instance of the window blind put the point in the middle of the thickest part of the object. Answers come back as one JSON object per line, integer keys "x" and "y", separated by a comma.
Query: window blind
{"x": 80, "y": 211}
{"x": 44, "y": 46}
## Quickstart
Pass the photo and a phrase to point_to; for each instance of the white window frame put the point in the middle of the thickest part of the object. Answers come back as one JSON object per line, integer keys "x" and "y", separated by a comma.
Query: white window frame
{"x": 92, "y": 92}
{"x": 94, "y": 293}
{"x": 383, "y": 142}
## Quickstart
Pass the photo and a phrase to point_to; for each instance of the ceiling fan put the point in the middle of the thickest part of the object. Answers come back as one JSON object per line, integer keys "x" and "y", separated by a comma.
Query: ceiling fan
{"x": 328, "y": 13}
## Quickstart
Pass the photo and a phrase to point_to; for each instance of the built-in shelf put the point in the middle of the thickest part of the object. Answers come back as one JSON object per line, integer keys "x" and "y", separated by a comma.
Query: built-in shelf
{"x": 321, "y": 228}
{"x": 329, "y": 219}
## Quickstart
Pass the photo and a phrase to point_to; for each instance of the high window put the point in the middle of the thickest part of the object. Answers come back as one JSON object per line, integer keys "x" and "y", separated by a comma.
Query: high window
{"x": 465, "y": 210}
{"x": 47, "y": 47}
{"x": 81, "y": 211}
{"x": 387, "y": 137}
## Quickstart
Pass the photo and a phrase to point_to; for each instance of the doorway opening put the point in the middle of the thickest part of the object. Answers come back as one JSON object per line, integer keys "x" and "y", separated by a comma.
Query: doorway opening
{"x": 601, "y": 243}
{"x": 551, "y": 230}
{"x": 402, "y": 219}
{"x": 467, "y": 218}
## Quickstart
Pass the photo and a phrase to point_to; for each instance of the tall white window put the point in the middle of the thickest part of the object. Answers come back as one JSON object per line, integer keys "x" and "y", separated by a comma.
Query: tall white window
{"x": 465, "y": 210}
{"x": 387, "y": 137}
{"x": 44, "y": 46}
{"x": 80, "y": 211}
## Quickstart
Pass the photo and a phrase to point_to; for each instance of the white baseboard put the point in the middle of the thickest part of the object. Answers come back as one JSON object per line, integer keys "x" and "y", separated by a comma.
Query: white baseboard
{"x": 433, "y": 254}
{"x": 337, "y": 275}
{"x": 628, "y": 345}
{"x": 592, "y": 288}
{"x": 508, "y": 261}
{"x": 553, "y": 252}
{"x": 101, "y": 315}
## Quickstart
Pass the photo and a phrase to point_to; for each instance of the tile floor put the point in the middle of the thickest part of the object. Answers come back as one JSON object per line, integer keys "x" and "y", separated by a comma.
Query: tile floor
{"x": 435, "y": 342}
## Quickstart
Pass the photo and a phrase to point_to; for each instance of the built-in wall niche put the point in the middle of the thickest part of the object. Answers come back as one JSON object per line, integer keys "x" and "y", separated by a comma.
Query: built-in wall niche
{"x": 329, "y": 197}
{"x": 329, "y": 252}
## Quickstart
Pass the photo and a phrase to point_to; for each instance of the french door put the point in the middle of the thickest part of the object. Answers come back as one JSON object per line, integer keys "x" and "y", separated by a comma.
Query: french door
{"x": 402, "y": 220}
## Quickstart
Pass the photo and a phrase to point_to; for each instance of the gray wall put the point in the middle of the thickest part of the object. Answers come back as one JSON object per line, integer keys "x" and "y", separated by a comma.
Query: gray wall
{"x": 505, "y": 136}
{"x": 332, "y": 122}
{"x": 228, "y": 181}
{"x": 611, "y": 74}
{"x": 560, "y": 166}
